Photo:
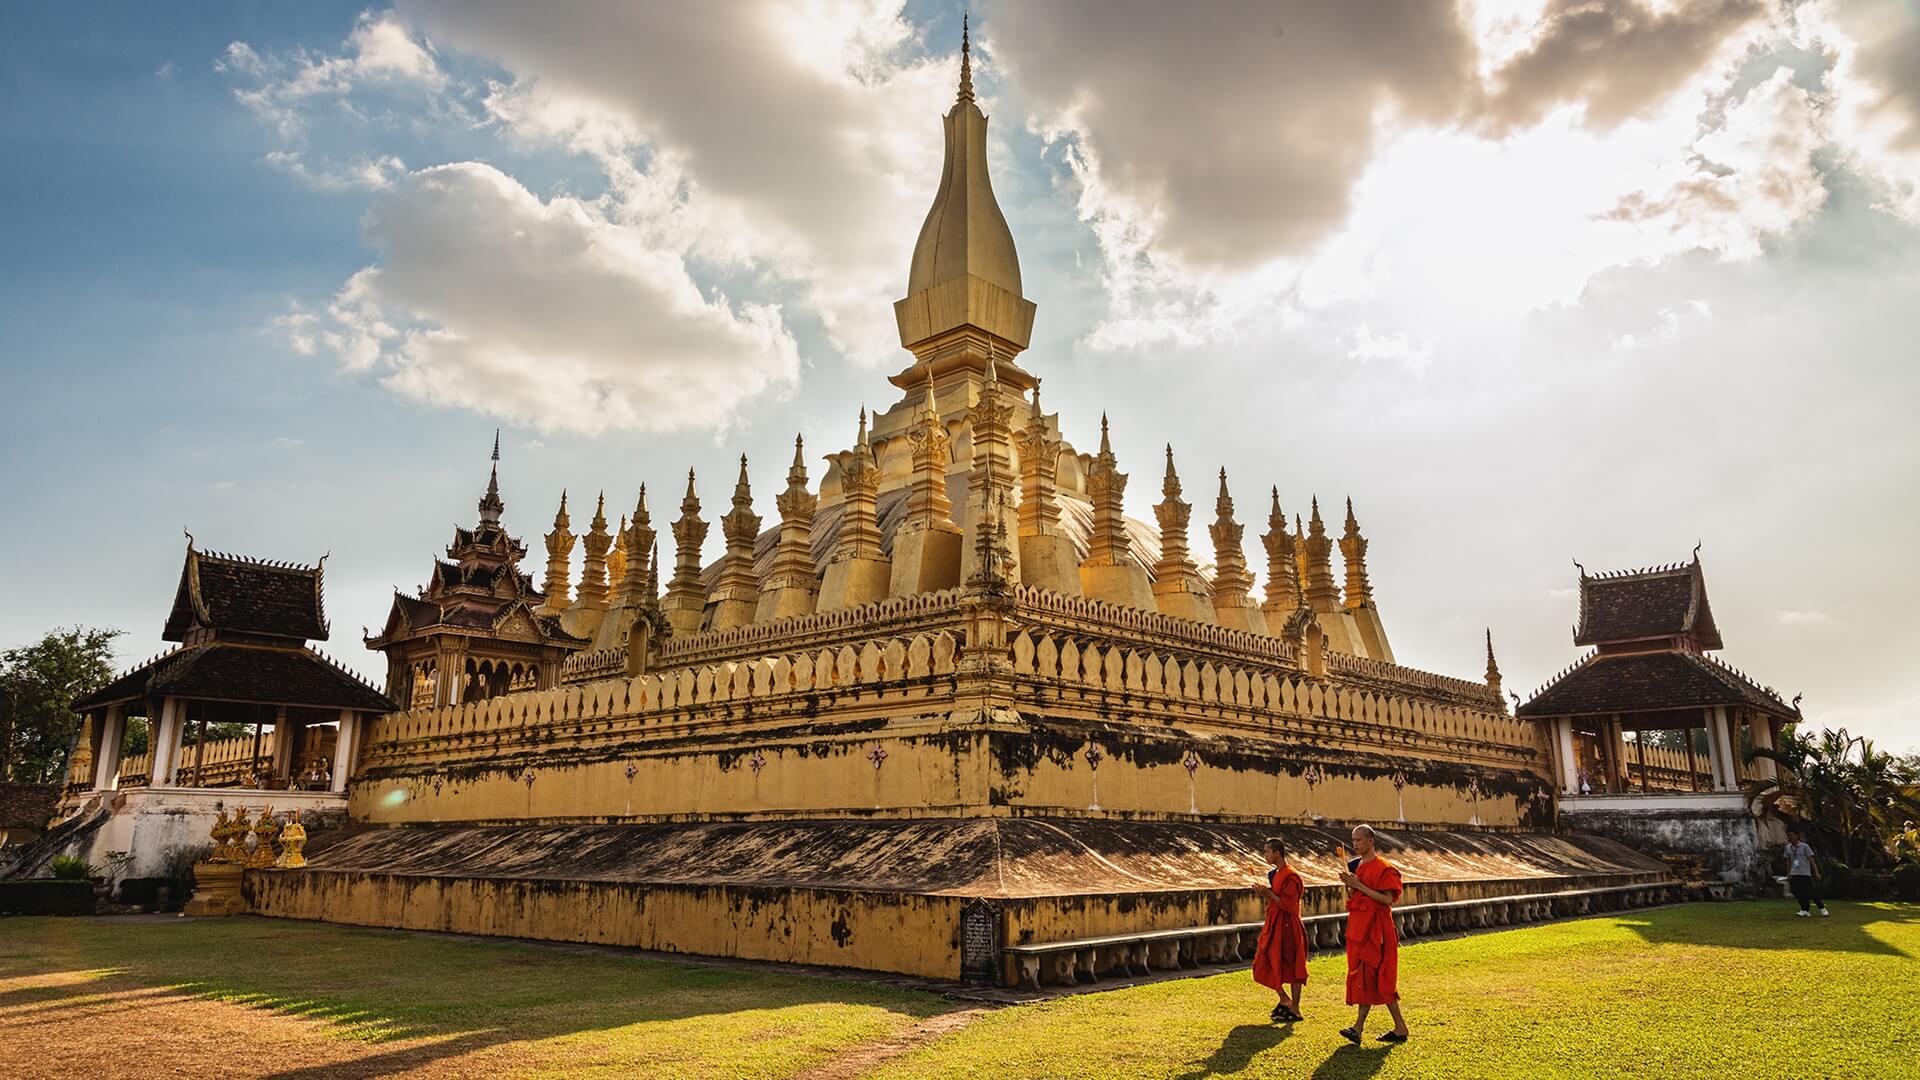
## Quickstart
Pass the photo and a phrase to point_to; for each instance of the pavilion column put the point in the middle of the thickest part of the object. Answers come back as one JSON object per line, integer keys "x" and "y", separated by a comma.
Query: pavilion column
{"x": 1569, "y": 761}
{"x": 1693, "y": 762}
{"x": 1640, "y": 752}
{"x": 345, "y": 749}
{"x": 1720, "y": 754}
{"x": 1617, "y": 752}
{"x": 106, "y": 761}
{"x": 1763, "y": 739}
{"x": 166, "y": 743}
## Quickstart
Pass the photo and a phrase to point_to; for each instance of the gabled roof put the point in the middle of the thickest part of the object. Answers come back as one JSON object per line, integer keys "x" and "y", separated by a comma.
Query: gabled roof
{"x": 27, "y": 806}
{"x": 1643, "y": 605}
{"x": 230, "y": 592}
{"x": 267, "y": 676}
{"x": 1606, "y": 683}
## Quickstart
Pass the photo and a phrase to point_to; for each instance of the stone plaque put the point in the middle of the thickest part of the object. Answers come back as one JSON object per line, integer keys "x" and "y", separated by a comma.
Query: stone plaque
{"x": 980, "y": 943}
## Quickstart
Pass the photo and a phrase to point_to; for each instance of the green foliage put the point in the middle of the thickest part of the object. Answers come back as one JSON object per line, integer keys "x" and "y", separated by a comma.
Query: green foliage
{"x": 46, "y": 897}
{"x": 38, "y": 686}
{"x": 1855, "y": 800}
{"x": 72, "y": 868}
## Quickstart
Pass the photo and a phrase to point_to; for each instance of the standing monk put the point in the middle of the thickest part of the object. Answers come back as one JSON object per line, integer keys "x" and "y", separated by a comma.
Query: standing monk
{"x": 1373, "y": 948}
{"x": 1281, "y": 957}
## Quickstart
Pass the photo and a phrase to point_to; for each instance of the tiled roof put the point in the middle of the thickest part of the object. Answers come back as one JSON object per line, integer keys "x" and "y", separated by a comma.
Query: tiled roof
{"x": 228, "y": 592}
{"x": 1638, "y": 605}
{"x": 298, "y": 677}
{"x": 27, "y": 806}
{"x": 1647, "y": 682}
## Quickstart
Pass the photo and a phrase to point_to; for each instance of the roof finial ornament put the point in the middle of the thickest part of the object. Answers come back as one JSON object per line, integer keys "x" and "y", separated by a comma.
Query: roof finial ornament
{"x": 496, "y": 444}
{"x": 1696, "y": 549}
{"x": 1582, "y": 569}
{"x": 966, "y": 58}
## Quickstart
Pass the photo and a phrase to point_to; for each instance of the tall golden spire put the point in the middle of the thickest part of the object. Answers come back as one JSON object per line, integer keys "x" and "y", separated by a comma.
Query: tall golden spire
{"x": 1353, "y": 550}
{"x": 559, "y": 549}
{"x": 963, "y": 299}
{"x": 593, "y": 576}
{"x": 1493, "y": 672}
{"x": 1283, "y": 574}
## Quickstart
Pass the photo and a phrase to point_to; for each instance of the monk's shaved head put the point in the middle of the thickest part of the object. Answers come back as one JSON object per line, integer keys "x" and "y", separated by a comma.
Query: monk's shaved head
{"x": 1363, "y": 830}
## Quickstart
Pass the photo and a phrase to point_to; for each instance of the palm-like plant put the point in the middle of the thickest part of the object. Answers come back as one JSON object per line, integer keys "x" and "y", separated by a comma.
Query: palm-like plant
{"x": 1842, "y": 787}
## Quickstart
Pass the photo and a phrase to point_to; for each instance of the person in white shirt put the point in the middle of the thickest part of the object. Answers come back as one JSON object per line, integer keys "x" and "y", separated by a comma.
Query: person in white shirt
{"x": 1802, "y": 873}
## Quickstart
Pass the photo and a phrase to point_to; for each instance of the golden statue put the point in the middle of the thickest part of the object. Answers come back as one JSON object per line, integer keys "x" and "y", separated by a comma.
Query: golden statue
{"x": 263, "y": 833}
{"x": 222, "y": 829}
{"x": 236, "y": 851}
{"x": 293, "y": 837}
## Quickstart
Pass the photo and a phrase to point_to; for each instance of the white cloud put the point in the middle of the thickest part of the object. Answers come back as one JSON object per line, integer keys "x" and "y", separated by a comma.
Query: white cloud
{"x": 378, "y": 52}
{"x": 1367, "y": 346}
{"x": 1875, "y": 89}
{"x": 365, "y": 174}
{"x": 1807, "y": 618}
{"x": 799, "y": 144}
{"x": 546, "y": 313}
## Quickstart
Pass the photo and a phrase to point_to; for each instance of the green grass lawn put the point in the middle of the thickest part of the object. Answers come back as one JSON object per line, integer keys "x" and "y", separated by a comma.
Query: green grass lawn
{"x": 1706, "y": 990}
{"x": 1703, "y": 990}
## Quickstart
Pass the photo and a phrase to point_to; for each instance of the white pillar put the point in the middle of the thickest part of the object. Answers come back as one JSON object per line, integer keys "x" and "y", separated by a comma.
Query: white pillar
{"x": 343, "y": 749}
{"x": 166, "y": 743}
{"x": 106, "y": 764}
{"x": 1569, "y": 767}
{"x": 1762, "y": 727}
{"x": 1719, "y": 750}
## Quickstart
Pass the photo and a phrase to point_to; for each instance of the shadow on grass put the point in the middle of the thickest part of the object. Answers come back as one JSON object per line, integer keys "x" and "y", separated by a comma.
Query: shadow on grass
{"x": 1353, "y": 1063}
{"x": 381, "y": 986}
{"x": 1237, "y": 1050}
{"x": 1767, "y": 924}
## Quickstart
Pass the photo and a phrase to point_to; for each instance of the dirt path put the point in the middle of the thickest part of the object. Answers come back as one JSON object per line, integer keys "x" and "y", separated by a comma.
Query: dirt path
{"x": 866, "y": 1057}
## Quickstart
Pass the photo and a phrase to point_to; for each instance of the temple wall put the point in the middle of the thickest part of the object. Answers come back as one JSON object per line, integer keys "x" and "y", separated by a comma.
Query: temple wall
{"x": 1063, "y": 719}
{"x": 890, "y": 931}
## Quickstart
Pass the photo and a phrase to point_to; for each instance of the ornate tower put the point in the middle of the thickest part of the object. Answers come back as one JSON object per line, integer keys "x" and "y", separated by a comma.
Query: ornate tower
{"x": 1232, "y": 582}
{"x": 1283, "y": 573}
{"x": 1370, "y": 636}
{"x": 989, "y": 484}
{"x": 617, "y": 566}
{"x": 593, "y": 576}
{"x": 1047, "y": 556}
{"x": 926, "y": 545}
{"x": 1178, "y": 588}
{"x": 792, "y": 584}
{"x": 1493, "y": 672}
{"x": 1109, "y": 571}
{"x": 630, "y": 592}
{"x": 1322, "y": 594}
{"x": 736, "y": 589}
{"x": 559, "y": 548}
{"x": 858, "y": 572}
{"x": 963, "y": 310}
{"x": 686, "y": 600}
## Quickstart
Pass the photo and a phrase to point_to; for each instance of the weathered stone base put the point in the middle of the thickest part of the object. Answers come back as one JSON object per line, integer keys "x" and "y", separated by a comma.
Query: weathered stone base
{"x": 216, "y": 890}
{"x": 1716, "y": 827}
{"x": 882, "y": 895}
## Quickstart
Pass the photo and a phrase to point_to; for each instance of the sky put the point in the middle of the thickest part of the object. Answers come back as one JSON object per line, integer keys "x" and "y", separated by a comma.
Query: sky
{"x": 1532, "y": 281}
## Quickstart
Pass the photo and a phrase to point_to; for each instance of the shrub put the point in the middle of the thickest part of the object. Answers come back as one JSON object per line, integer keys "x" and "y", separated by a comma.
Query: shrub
{"x": 72, "y": 868}
{"x": 143, "y": 891}
{"x": 46, "y": 896}
{"x": 1906, "y": 881}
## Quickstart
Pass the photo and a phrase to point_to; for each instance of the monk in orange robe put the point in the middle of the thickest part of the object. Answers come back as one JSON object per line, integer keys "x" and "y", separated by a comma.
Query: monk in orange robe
{"x": 1280, "y": 960}
{"x": 1373, "y": 947}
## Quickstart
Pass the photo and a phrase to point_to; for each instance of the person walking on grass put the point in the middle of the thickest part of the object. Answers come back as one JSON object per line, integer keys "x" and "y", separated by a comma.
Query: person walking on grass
{"x": 1802, "y": 873}
{"x": 1373, "y": 946}
{"x": 1280, "y": 959}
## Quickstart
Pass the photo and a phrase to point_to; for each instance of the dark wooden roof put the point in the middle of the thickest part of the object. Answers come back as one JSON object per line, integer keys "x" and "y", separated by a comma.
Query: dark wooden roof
{"x": 1645, "y": 605}
{"x": 27, "y": 806}
{"x": 1606, "y": 683}
{"x": 227, "y": 592}
{"x": 219, "y": 672}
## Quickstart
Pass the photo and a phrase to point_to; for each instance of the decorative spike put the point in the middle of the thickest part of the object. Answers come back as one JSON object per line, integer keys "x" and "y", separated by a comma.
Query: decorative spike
{"x": 966, "y": 60}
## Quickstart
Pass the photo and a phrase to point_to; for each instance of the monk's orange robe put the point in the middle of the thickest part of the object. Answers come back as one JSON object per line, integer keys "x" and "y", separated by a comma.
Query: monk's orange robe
{"x": 1373, "y": 947}
{"x": 1281, "y": 956}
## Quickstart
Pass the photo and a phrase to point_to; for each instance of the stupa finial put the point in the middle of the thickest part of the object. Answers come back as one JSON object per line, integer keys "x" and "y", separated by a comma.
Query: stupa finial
{"x": 966, "y": 58}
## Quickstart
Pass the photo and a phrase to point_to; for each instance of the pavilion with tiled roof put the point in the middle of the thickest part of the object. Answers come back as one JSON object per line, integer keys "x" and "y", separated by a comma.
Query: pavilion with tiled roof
{"x": 479, "y": 628}
{"x": 1650, "y": 631}
{"x": 241, "y": 626}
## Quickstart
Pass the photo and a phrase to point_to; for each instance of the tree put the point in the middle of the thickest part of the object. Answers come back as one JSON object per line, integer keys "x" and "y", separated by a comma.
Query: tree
{"x": 38, "y": 686}
{"x": 1843, "y": 788}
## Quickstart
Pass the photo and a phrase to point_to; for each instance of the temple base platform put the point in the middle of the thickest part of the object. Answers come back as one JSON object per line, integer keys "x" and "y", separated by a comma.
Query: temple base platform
{"x": 988, "y": 900}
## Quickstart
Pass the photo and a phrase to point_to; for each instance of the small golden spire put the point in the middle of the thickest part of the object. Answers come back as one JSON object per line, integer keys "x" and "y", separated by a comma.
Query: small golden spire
{"x": 966, "y": 59}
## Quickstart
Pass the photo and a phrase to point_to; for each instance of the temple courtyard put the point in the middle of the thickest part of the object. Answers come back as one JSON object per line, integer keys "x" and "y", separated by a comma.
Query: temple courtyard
{"x": 1735, "y": 989}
